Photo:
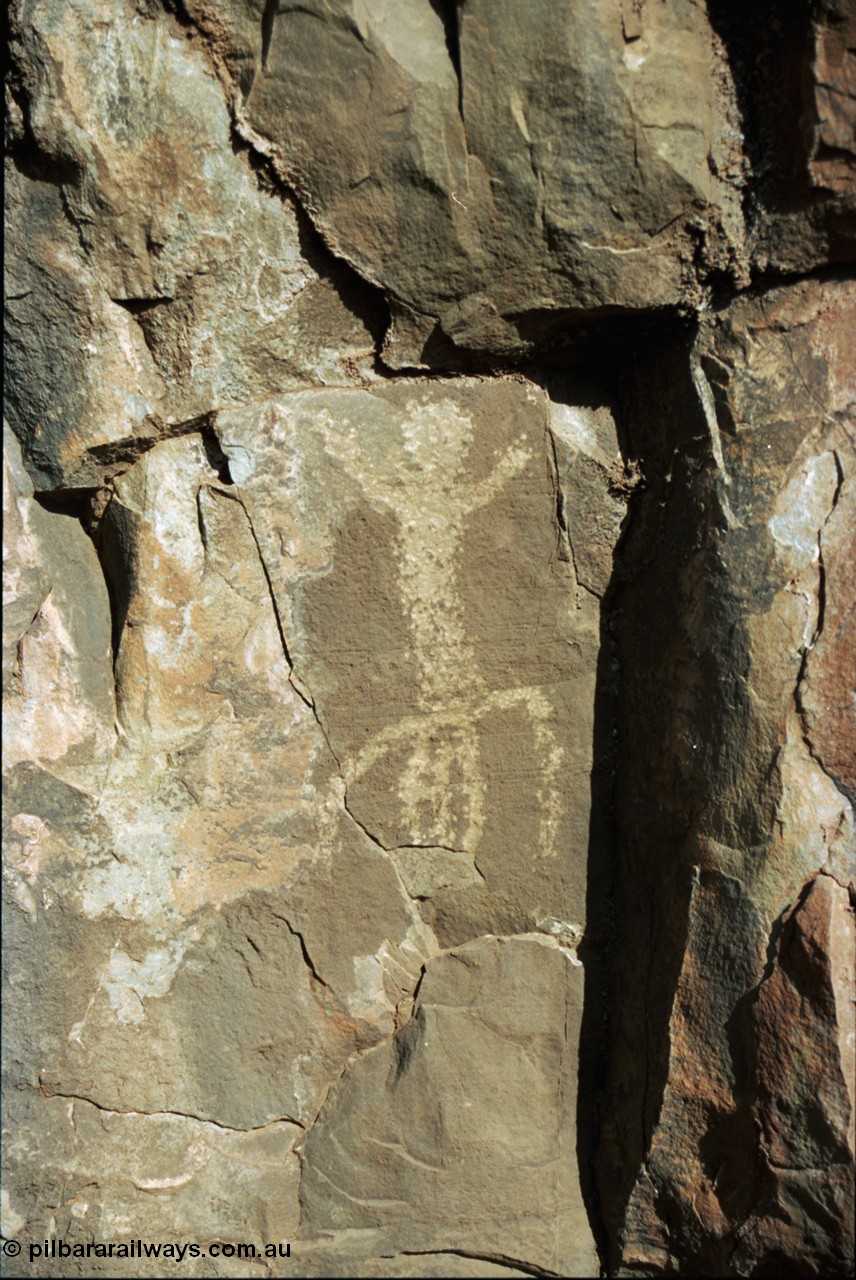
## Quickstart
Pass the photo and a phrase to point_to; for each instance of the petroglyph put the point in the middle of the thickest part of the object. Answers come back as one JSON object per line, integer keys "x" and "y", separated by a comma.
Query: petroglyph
{"x": 442, "y": 790}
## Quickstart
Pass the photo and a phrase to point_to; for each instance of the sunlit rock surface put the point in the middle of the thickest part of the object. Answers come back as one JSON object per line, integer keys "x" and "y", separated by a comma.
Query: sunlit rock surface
{"x": 430, "y": 747}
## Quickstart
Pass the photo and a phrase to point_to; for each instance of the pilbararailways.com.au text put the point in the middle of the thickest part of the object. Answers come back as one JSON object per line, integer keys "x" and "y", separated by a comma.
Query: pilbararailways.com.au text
{"x": 162, "y": 1252}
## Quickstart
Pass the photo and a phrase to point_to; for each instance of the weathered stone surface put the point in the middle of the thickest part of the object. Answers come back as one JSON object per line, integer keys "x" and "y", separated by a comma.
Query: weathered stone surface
{"x": 594, "y": 483}
{"x": 210, "y": 794}
{"x": 484, "y": 162}
{"x": 58, "y": 695}
{"x": 793, "y": 69}
{"x": 429, "y": 776}
{"x": 833, "y": 93}
{"x": 155, "y": 277}
{"x": 805, "y": 1100}
{"x": 166, "y": 1176}
{"x": 756, "y": 837}
{"x": 232, "y": 866}
{"x": 436, "y": 624}
{"x": 491, "y": 166}
{"x": 458, "y": 1134}
{"x": 826, "y": 695}
{"x": 327, "y": 1261}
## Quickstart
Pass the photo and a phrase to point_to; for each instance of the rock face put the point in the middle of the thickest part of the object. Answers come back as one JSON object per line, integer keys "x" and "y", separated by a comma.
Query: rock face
{"x": 743, "y": 1095}
{"x": 497, "y": 1022}
{"x": 428, "y": 638}
{"x": 548, "y": 164}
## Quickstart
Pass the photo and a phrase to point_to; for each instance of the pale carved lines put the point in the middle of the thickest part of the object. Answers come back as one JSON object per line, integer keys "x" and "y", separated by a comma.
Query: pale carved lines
{"x": 431, "y": 497}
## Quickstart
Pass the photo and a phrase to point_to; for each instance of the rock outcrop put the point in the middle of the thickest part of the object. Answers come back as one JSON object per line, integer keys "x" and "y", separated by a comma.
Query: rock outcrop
{"x": 735, "y": 833}
{"x": 429, "y": 476}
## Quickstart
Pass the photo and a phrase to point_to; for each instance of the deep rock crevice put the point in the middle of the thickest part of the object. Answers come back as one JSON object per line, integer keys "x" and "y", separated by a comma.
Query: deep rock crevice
{"x": 457, "y": 576}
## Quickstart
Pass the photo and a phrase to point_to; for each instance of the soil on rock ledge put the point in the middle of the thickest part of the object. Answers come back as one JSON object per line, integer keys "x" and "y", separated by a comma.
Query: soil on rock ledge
{"x": 429, "y": 466}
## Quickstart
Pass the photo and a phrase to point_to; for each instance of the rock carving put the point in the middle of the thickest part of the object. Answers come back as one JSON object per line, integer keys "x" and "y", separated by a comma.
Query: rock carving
{"x": 431, "y": 498}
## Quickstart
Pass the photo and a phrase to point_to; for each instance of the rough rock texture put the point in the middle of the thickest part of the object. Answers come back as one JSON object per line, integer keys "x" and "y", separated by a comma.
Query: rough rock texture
{"x": 395, "y": 1147}
{"x": 737, "y": 836}
{"x": 430, "y": 749}
{"x": 547, "y": 164}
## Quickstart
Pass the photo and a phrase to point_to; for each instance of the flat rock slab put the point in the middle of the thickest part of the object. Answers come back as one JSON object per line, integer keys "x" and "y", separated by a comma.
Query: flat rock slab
{"x": 434, "y": 620}
{"x": 459, "y": 1134}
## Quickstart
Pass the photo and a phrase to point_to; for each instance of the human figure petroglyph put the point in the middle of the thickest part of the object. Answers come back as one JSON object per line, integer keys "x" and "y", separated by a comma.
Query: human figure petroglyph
{"x": 432, "y": 497}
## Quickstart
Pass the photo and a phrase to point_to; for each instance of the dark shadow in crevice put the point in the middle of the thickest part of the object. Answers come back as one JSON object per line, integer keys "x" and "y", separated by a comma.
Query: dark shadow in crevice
{"x": 447, "y": 12}
{"x": 569, "y": 340}
{"x": 141, "y": 306}
{"x": 65, "y": 502}
{"x": 597, "y": 949}
{"x": 768, "y": 46}
{"x": 604, "y": 361}
{"x": 269, "y": 16}
{"x": 637, "y": 890}
{"x": 116, "y": 538}
{"x": 590, "y": 367}
{"x": 217, "y": 459}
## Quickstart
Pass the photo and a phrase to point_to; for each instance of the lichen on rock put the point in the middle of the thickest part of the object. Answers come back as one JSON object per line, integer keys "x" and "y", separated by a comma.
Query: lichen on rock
{"x": 427, "y": 661}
